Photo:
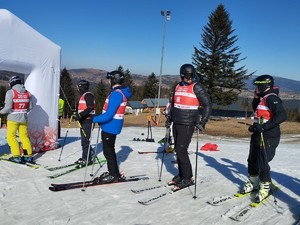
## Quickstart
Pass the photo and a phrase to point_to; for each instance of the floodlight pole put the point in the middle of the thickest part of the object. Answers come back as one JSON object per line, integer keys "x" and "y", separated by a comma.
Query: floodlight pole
{"x": 167, "y": 16}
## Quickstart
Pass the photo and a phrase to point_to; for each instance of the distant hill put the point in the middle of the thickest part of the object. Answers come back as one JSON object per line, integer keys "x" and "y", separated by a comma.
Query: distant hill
{"x": 288, "y": 88}
{"x": 285, "y": 85}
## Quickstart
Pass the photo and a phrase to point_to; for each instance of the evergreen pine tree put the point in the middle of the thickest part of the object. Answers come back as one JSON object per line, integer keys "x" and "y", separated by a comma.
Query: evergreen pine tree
{"x": 151, "y": 87}
{"x": 2, "y": 95}
{"x": 68, "y": 92}
{"x": 216, "y": 60}
{"x": 129, "y": 82}
{"x": 100, "y": 94}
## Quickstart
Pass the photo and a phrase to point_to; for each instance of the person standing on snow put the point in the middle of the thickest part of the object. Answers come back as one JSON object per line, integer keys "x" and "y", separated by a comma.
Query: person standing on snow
{"x": 111, "y": 121}
{"x": 18, "y": 104}
{"x": 86, "y": 109}
{"x": 61, "y": 106}
{"x": 269, "y": 113}
{"x": 188, "y": 96}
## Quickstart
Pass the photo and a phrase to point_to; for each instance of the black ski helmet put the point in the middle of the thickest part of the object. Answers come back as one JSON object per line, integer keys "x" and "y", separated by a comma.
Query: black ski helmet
{"x": 187, "y": 71}
{"x": 83, "y": 85}
{"x": 116, "y": 77}
{"x": 14, "y": 80}
{"x": 264, "y": 82}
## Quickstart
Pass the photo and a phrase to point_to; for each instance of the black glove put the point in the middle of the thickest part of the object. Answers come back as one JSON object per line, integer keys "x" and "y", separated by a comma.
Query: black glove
{"x": 200, "y": 126}
{"x": 256, "y": 128}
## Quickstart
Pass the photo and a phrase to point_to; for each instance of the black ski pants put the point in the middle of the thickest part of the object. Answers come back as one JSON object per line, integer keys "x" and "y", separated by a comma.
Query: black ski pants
{"x": 182, "y": 135}
{"x": 260, "y": 156}
{"x": 108, "y": 141}
{"x": 85, "y": 133}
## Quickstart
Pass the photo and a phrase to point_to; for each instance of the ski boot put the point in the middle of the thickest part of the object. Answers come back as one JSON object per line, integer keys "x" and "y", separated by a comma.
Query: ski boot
{"x": 106, "y": 178}
{"x": 175, "y": 180}
{"x": 27, "y": 159}
{"x": 251, "y": 185}
{"x": 82, "y": 163}
{"x": 16, "y": 159}
{"x": 264, "y": 191}
{"x": 183, "y": 183}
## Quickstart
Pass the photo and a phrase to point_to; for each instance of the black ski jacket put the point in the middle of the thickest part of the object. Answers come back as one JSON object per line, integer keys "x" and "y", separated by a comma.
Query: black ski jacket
{"x": 274, "y": 103}
{"x": 189, "y": 116}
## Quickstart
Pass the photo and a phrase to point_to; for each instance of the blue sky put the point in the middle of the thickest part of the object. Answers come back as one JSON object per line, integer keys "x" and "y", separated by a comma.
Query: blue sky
{"x": 104, "y": 34}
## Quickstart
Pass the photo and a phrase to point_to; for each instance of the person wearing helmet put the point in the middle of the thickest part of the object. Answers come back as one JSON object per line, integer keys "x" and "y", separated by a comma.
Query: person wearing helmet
{"x": 111, "y": 121}
{"x": 86, "y": 109}
{"x": 188, "y": 96}
{"x": 17, "y": 105}
{"x": 269, "y": 113}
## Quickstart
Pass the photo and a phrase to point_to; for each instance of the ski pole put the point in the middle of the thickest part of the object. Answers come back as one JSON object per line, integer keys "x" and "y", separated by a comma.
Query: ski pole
{"x": 165, "y": 145}
{"x": 70, "y": 121}
{"x": 95, "y": 153}
{"x": 262, "y": 143}
{"x": 196, "y": 166}
{"x": 82, "y": 130}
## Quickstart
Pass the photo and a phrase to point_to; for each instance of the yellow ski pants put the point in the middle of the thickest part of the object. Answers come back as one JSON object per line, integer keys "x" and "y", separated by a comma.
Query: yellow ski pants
{"x": 11, "y": 135}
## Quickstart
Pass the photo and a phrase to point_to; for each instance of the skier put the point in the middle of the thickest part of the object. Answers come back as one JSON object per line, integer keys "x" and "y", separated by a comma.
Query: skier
{"x": 268, "y": 107}
{"x": 86, "y": 109}
{"x": 18, "y": 104}
{"x": 189, "y": 95}
{"x": 111, "y": 122}
{"x": 61, "y": 106}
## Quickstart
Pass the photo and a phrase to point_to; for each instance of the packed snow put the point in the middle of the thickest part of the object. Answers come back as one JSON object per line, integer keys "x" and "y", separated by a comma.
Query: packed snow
{"x": 26, "y": 199}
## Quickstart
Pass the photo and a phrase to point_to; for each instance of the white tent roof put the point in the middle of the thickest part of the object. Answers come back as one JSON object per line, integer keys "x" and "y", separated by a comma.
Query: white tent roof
{"x": 24, "y": 50}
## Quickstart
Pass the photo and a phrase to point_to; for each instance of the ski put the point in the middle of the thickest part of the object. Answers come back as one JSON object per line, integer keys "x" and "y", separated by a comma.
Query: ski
{"x": 160, "y": 196}
{"x": 94, "y": 182}
{"x": 149, "y": 152}
{"x": 171, "y": 152}
{"x": 240, "y": 215}
{"x": 6, "y": 157}
{"x": 216, "y": 201}
{"x": 80, "y": 182}
{"x": 59, "y": 167}
{"x": 69, "y": 165}
{"x": 140, "y": 190}
{"x": 70, "y": 171}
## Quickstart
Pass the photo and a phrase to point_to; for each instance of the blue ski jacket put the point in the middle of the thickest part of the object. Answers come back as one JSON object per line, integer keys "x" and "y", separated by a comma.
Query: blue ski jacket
{"x": 106, "y": 120}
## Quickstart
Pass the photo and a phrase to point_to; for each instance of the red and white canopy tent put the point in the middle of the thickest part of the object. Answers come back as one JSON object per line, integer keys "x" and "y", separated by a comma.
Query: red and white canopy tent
{"x": 24, "y": 50}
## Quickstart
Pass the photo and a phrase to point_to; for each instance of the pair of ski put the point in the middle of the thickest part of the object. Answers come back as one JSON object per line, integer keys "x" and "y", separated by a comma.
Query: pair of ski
{"x": 168, "y": 190}
{"x": 70, "y": 170}
{"x": 7, "y": 158}
{"x": 240, "y": 215}
{"x": 94, "y": 182}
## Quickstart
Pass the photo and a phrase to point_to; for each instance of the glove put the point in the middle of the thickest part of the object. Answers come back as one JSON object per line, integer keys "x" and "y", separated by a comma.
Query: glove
{"x": 200, "y": 126}
{"x": 256, "y": 128}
